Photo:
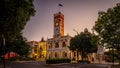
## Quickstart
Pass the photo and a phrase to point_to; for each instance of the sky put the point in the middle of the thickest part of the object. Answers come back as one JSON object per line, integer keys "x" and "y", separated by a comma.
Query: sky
{"x": 78, "y": 15}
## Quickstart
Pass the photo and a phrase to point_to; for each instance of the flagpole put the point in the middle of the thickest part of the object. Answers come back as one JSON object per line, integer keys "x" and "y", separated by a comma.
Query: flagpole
{"x": 58, "y": 7}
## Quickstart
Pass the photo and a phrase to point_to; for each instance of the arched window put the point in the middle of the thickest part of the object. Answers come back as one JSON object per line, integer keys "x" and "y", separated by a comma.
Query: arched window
{"x": 64, "y": 54}
{"x": 56, "y": 54}
{"x": 56, "y": 45}
{"x": 63, "y": 44}
{"x": 35, "y": 50}
{"x": 50, "y": 55}
{"x": 50, "y": 45}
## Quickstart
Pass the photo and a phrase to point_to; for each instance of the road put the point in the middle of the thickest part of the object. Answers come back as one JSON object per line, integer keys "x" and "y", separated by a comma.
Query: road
{"x": 34, "y": 64}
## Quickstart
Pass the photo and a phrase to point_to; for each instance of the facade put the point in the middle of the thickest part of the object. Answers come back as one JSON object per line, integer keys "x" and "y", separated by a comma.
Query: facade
{"x": 42, "y": 50}
{"x": 38, "y": 50}
{"x": 57, "y": 47}
{"x": 33, "y": 50}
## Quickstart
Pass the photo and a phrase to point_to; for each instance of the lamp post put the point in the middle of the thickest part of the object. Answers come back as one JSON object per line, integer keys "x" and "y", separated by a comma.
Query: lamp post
{"x": 4, "y": 49}
{"x": 75, "y": 31}
{"x": 76, "y": 52}
{"x": 113, "y": 55}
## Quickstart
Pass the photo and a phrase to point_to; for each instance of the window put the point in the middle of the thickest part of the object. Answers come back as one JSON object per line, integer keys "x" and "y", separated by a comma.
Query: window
{"x": 35, "y": 50}
{"x": 50, "y": 55}
{"x": 36, "y": 45}
{"x": 64, "y": 54}
{"x": 63, "y": 44}
{"x": 50, "y": 45}
{"x": 56, "y": 55}
{"x": 56, "y": 45}
{"x": 41, "y": 48}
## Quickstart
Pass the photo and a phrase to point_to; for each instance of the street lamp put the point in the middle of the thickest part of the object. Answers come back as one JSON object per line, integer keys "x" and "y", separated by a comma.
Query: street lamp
{"x": 76, "y": 49}
{"x": 4, "y": 49}
{"x": 75, "y": 31}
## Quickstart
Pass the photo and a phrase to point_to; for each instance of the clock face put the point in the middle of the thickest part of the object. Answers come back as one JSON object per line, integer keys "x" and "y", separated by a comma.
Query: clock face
{"x": 56, "y": 24}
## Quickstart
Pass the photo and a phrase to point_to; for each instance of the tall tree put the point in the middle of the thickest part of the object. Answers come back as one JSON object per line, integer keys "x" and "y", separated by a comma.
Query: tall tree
{"x": 18, "y": 45}
{"x": 108, "y": 28}
{"x": 13, "y": 17}
{"x": 84, "y": 43}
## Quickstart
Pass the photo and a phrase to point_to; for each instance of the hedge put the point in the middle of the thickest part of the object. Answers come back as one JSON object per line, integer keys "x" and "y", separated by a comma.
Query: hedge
{"x": 57, "y": 60}
{"x": 83, "y": 61}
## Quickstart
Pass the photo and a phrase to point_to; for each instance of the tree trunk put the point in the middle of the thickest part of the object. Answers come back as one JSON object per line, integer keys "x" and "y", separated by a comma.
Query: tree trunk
{"x": 118, "y": 56}
{"x": 1, "y": 46}
{"x": 82, "y": 55}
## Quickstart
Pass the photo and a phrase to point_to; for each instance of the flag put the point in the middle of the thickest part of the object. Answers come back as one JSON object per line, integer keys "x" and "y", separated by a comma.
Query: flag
{"x": 60, "y": 5}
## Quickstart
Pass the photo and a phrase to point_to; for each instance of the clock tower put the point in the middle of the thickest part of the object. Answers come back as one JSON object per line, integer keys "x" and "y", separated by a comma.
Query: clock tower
{"x": 58, "y": 24}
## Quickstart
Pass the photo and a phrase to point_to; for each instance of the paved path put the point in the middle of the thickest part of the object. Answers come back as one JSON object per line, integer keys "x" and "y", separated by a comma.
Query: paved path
{"x": 42, "y": 64}
{"x": 84, "y": 65}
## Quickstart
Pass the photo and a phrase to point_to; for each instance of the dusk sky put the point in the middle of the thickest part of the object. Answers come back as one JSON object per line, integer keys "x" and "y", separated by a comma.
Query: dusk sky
{"x": 78, "y": 15}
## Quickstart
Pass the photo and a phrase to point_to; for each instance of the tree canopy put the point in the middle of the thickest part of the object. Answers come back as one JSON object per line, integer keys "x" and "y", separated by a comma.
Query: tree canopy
{"x": 108, "y": 27}
{"x": 85, "y": 43}
{"x": 14, "y": 15}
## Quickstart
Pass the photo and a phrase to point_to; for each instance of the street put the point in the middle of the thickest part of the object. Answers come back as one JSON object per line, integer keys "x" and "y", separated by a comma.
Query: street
{"x": 41, "y": 64}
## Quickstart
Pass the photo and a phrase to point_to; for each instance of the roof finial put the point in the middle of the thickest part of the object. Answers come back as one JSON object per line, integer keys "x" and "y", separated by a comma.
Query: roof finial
{"x": 42, "y": 40}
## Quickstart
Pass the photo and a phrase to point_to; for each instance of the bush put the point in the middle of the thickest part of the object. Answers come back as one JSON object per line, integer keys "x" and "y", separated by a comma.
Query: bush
{"x": 83, "y": 61}
{"x": 57, "y": 60}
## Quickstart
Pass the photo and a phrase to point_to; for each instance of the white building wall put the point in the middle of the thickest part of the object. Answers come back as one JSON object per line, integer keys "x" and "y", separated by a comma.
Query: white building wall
{"x": 60, "y": 49}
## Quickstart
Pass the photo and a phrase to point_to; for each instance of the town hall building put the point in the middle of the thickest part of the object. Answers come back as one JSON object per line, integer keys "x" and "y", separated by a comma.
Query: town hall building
{"x": 57, "y": 47}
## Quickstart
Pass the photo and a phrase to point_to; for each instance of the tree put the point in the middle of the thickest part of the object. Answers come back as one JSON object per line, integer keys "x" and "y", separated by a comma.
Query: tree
{"x": 84, "y": 43}
{"x": 13, "y": 17}
{"x": 108, "y": 28}
{"x": 109, "y": 55}
{"x": 18, "y": 45}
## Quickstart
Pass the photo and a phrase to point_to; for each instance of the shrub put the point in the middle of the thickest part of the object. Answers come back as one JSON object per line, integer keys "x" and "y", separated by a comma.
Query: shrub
{"x": 57, "y": 60}
{"x": 83, "y": 61}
